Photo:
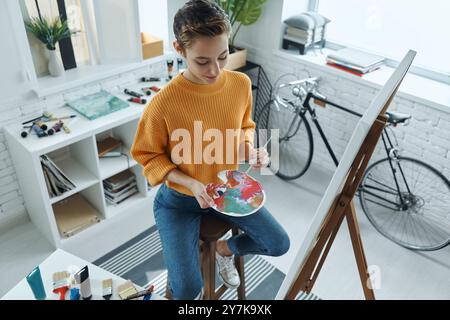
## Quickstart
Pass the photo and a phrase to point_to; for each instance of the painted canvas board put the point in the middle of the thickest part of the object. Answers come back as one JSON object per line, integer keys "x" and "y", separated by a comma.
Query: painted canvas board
{"x": 379, "y": 106}
{"x": 97, "y": 104}
{"x": 239, "y": 195}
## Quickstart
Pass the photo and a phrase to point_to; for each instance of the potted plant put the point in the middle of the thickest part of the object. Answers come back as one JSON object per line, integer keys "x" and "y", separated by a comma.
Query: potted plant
{"x": 241, "y": 13}
{"x": 49, "y": 33}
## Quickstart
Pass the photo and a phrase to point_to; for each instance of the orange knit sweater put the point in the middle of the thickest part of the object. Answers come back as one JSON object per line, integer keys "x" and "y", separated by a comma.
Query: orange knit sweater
{"x": 175, "y": 129}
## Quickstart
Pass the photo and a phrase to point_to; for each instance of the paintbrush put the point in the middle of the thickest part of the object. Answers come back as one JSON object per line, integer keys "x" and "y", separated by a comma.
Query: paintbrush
{"x": 265, "y": 145}
{"x": 141, "y": 293}
{"x": 61, "y": 284}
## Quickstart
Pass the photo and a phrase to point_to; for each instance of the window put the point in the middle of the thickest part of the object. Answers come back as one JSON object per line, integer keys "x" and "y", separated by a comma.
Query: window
{"x": 49, "y": 9}
{"x": 390, "y": 28}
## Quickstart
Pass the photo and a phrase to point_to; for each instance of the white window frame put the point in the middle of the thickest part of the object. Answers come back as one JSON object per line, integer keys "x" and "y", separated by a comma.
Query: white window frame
{"x": 313, "y": 5}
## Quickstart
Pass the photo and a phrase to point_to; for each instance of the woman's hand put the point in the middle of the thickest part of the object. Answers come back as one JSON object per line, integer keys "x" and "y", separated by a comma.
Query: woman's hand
{"x": 259, "y": 158}
{"x": 199, "y": 191}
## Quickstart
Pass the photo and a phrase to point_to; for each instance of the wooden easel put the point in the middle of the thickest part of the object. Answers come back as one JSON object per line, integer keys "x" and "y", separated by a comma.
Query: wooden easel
{"x": 342, "y": 207}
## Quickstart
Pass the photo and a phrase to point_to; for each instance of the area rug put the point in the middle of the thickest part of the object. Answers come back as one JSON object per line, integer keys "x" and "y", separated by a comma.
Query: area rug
{"x": 141, "y": 261}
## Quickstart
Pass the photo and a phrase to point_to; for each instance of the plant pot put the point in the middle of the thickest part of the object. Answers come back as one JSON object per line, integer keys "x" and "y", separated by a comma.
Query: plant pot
{"x": 55, "y": 66}
{"x": 237, "y": 59}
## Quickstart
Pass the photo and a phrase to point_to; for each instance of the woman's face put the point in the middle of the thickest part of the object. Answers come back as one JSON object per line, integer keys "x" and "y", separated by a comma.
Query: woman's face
{"x": 206, "y": 58}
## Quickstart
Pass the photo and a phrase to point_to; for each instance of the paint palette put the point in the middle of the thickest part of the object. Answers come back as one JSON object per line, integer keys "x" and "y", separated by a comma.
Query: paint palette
{"x": 239, "y": 195}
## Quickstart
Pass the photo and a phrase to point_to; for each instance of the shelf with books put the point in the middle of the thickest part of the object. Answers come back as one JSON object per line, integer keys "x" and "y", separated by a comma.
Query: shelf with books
{"x": 117, "y": 141}
{"x": 123, "y": 188}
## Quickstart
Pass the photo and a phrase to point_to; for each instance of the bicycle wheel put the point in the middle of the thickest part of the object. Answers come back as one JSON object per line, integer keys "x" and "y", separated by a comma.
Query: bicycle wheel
{"x": 418, "y": 216}
{"x": 295, "y": 140}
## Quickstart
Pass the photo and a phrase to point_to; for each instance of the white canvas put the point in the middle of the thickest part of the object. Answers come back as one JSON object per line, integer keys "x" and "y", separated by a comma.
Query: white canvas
{"x": 362, "y": 128}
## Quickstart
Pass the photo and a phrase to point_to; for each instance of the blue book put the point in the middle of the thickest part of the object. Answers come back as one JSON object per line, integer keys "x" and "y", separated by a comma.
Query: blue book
{"x": 98, "y": 104}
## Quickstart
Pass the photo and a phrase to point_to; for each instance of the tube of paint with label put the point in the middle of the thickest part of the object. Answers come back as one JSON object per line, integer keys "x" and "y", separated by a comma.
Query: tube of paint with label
{"x": 82, "y": 277}
{"x": 34, "y": 279}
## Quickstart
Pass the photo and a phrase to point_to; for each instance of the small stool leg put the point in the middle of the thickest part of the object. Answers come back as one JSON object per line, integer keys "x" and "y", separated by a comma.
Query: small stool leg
{"x": 209, "y": 269}
{"x": 239, "y": 263}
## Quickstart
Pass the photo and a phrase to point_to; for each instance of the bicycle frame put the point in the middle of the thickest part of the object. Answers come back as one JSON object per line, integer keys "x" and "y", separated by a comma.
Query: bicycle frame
{"x": 387, "y": 142}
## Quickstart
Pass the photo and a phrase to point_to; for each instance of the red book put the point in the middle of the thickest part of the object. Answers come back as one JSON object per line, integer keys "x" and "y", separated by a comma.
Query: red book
{"x": 352, "y": 71}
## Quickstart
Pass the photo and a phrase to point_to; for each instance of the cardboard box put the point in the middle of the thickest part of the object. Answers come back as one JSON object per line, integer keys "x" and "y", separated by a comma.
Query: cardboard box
{"x": 151, "y": 46}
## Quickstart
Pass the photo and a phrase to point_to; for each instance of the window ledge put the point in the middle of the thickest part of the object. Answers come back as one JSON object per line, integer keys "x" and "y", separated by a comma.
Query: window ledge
{"x": 85, "y": 74}
{"x": 413, "y": 87}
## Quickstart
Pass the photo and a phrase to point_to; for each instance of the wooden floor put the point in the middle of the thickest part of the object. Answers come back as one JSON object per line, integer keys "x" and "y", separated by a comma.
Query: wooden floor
{"x": 403, "y": 274}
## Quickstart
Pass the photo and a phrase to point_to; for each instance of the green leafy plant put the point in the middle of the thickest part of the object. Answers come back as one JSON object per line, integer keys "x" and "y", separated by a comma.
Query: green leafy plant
{"x": 49, "y": 32}
{"x": 241, "y": 13}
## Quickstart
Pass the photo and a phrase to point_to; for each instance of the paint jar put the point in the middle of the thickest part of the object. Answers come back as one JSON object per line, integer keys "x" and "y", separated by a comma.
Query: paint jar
{"x": 170, "y": 69}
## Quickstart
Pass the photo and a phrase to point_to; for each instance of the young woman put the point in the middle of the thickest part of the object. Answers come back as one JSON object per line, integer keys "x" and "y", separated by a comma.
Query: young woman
{"x": 203, "y": 98}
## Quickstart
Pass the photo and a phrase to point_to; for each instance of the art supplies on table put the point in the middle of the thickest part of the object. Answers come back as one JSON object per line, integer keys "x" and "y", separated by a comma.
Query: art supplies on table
{"x": 144, "y": 293}
{"x": 137, "y": 100}
{"x": 133, "y": 93}
{"x": 82, "y": 278}
{"x": 107, "y": 286}
{"x": 74, "y": 293}
{"x": 150, "y": 79}
{"x": 97, "y": 105}
{"x": 34, "y": 280}
{"x": 74, "y": 214}
{"x": 126, "y": 289}
{"x": 61, "y": 284}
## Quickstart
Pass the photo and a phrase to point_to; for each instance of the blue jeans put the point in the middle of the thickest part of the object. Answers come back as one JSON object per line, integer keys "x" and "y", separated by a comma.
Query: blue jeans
{"x": 178, "y": 218}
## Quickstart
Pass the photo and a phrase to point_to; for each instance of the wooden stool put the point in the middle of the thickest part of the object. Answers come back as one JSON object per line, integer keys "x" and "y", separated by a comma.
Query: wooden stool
{"x": 211, "y": 230}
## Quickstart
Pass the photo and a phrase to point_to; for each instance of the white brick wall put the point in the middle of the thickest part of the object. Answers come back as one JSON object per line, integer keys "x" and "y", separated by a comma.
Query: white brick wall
{"x": 426, "y": 137}
{"x": 11, "y": 200}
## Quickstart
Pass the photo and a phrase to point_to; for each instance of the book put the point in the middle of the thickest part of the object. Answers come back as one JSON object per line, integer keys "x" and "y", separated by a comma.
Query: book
{"x": 73, "y": 215}
{"x": 123, "y": 197}
{"x": 119, "y": 180}
{"x": 119, "y": 193}
{"x": 355, "y": 72}
{"x": 353, "y": 67}
{"x": 106, "y": 145}
{"x": 356, "y": 58}
{"x": 97, "y": 105}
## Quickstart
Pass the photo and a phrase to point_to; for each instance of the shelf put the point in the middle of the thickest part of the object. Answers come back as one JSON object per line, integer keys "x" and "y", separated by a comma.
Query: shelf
{"x": 124, "y": 206}
{"x": 79, "y": 175}
{"x": 111, "y": 166}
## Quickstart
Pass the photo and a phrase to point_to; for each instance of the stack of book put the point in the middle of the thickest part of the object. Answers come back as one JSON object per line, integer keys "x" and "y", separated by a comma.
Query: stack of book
{"x": 57, "y": 182}
{"x": 354, "y": 61}
{"x": 120, "y": 187}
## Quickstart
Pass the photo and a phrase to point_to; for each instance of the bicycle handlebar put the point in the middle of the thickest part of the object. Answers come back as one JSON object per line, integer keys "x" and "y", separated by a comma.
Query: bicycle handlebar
{"x": 312, "y": 81}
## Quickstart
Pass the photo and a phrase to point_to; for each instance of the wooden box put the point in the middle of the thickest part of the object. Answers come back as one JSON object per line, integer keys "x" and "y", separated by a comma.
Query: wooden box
{"x": 237, "y": 60}
{"x": 151, "y": 46}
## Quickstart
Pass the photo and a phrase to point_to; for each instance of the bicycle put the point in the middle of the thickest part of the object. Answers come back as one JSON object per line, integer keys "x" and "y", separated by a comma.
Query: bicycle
{"x": 405, "y": 199}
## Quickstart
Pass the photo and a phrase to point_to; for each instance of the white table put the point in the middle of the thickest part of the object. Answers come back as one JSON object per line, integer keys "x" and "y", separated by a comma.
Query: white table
{"x": 61, "y": 260}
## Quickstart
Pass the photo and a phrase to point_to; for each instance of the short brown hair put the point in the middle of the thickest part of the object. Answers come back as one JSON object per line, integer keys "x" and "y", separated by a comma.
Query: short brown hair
{"x": 199, "y": 18}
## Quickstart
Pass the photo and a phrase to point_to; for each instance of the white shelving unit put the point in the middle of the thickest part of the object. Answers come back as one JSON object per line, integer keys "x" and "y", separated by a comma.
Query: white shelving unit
{"x": 77, "y": 156}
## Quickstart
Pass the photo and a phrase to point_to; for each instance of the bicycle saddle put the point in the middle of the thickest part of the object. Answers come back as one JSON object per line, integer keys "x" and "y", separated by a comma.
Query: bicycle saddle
{"x": 397, "y": 117}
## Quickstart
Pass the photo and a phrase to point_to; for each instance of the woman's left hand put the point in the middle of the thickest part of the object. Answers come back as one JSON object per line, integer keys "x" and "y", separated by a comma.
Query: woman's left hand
{"x": 259, "y": 158}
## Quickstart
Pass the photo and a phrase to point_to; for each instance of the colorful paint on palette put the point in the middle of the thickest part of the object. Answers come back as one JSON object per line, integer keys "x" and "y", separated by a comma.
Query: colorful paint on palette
{"x": 239, "y": 195}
